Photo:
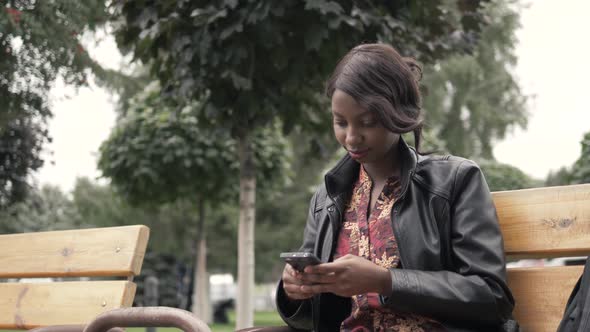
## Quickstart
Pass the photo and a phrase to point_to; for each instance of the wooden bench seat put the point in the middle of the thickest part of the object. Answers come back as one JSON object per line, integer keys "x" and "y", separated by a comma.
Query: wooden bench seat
{"x": 107, "y": 253}
{"x": 90, "y": 284}
{"x": 545, "y": 222}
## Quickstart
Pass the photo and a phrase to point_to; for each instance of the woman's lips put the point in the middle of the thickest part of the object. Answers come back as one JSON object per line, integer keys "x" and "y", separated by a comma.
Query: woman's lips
{"x": 358, "y": 154}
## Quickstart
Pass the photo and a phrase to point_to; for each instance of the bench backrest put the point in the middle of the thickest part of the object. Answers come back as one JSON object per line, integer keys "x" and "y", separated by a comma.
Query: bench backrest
{"x": 107, "y": 253}
{"x": 544, "y": 223}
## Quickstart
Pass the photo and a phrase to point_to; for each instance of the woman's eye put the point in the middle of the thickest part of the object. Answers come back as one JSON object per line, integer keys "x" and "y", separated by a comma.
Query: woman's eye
{"x": 340, "y": 123}
{"x": 369, "y": 123}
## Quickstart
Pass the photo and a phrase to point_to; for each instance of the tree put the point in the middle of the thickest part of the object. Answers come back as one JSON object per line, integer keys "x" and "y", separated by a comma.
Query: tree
{"x": 21, "y": 141}
{"x": 250, "y": 62}
{"x": 45, "y": 209}
{"x": 156, "y": 155}
{"x": 577, "y": 173}
{"x": 561, "y": 177}
{"x": 581, "y": 168}
{"x": 501, "y": 176}
{"x": 472, "y": 100}
{"x": 39, "y": 42}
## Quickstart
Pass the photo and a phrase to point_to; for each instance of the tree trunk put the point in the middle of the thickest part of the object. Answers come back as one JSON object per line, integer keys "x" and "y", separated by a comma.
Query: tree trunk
{"x": 201, "y": 305}
{"x": 245, "y": 301}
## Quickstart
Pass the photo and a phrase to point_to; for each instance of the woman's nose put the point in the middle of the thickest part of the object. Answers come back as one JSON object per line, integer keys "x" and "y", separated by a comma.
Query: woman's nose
{"x": 353, "y": 137}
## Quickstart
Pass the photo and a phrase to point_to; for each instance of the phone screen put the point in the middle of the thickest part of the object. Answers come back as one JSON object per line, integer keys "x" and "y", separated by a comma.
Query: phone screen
{"x": 299, "y": 260}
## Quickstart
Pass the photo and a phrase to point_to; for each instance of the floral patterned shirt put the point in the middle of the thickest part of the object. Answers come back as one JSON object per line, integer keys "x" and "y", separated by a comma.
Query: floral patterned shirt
{"x": 371, "y": 236}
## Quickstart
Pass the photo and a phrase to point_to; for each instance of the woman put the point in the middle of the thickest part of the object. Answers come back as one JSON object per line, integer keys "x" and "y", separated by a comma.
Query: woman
{"x": 411, "y": 242}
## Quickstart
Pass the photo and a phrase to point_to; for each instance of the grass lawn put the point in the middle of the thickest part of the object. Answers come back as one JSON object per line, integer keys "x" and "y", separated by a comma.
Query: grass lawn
{"x": 261, "y": 318}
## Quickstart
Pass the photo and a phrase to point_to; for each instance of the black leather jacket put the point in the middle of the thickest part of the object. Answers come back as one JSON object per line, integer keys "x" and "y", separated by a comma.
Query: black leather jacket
{"x": 450, "y": 246}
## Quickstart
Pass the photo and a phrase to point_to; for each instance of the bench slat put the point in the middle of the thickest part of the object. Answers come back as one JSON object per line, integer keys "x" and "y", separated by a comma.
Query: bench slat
{"x": 545, "y": 222}
{"x": 113, "y": 251}
{"x": 541, "y": 294}
{"x": 29, "y": 305}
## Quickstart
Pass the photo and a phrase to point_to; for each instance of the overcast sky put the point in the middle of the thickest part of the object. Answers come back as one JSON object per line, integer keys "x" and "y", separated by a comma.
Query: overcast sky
{"x": 554, "y": 66}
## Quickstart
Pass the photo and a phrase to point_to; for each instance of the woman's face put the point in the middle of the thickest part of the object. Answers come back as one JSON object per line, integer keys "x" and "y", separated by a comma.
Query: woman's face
{"x": 359, "y": 131}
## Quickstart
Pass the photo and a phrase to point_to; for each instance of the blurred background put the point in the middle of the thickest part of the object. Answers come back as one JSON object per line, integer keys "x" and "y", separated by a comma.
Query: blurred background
{"x": 201, "y": 119}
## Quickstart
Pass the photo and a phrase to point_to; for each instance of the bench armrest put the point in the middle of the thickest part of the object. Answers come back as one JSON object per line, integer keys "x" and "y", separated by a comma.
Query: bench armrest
{"x": 68, "y": 328}
{"x": 147, "y": 317}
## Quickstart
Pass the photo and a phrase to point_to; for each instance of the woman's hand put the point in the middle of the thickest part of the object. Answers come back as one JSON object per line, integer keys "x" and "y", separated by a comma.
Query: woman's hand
{"x": 347, "y": 276}
{"x": 292, "y": 284}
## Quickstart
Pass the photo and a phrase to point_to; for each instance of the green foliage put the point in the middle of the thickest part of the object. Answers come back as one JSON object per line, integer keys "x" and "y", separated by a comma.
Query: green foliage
{"x": 43, "y": 210}
{"x": 577, "y": 173}
{"x": 252, "y": 61}
{"x": 39, "y": 41}
{"x": 20, "y": 146}
{"x": 99, "y": 206}
{"x": 157, "y": 154}
{"x": 473, "y": 100}
{"x": 581, "y": 168}
{"x": 506, "y": 177}
{"x": 170, "y": 272}
{"x": 172, "y": 225}
{"x": 561, "y": 177}
{"x": 281, "y": 217}
{"x": 222, "y": 239}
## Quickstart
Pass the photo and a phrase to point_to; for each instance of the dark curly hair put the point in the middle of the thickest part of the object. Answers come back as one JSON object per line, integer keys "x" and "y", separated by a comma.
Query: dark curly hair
{"x": 384, "y": 82}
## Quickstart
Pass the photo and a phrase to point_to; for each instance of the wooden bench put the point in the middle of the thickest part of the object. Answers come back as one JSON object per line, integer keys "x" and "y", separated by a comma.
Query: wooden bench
{"x": 536, "y": 223}
{"x": 108, "y": 257}
{"x": 544, "y": 223}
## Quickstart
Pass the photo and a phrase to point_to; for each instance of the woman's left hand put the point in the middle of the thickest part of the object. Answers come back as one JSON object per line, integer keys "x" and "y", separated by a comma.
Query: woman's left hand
{"x": 347, "y": 276}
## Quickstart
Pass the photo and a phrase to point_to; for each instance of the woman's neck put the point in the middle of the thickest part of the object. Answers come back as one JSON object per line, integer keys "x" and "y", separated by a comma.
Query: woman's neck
{"x": 381, "y": 170}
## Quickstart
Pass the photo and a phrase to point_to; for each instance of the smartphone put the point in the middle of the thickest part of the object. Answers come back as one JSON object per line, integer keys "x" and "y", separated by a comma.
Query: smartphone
{"x": 299, "y": 260}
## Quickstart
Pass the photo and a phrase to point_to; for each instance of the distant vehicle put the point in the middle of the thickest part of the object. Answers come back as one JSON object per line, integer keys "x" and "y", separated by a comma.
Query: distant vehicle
{"x": 35, "y": 280}
{"x": 222, "y": 287}
{"x": 581, "y": 260}
{"x": 222, "y": 292}
{"x": 561, "y": 261}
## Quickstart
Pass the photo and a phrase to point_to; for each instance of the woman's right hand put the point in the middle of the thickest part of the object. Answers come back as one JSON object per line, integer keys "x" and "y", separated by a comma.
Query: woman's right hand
{"x": 292, "y": 284}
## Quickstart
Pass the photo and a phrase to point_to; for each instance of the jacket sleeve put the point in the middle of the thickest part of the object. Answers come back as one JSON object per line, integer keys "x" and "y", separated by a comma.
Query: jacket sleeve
{"x": 474, "y": 291}
{"x": 298, "y": 314}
